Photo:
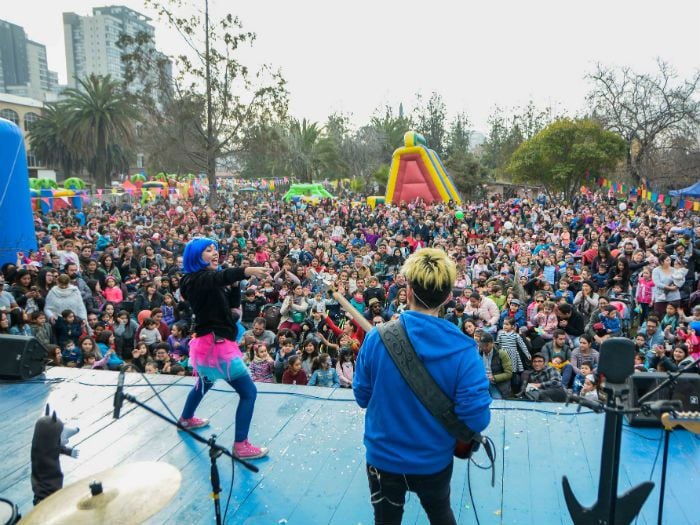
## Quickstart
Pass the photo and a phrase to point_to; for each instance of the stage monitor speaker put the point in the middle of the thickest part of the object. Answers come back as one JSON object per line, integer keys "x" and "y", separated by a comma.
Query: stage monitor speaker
{"x": 687, "y": 390}
{"x": 21, "y": 357}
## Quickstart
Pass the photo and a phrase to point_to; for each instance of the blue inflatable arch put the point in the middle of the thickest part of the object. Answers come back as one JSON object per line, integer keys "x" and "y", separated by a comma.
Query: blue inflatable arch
{"x": 16, "y": 219}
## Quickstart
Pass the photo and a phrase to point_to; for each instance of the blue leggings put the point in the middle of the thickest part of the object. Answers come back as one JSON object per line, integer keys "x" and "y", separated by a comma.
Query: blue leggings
{"x": 247, "y": 392}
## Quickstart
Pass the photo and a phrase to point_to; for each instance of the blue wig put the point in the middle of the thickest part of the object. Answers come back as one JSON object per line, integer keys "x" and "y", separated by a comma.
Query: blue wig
{"x": 192, "y": 257}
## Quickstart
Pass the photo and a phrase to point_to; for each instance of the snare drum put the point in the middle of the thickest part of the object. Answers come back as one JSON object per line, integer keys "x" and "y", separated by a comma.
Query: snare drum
{"x": 9, "y": 512}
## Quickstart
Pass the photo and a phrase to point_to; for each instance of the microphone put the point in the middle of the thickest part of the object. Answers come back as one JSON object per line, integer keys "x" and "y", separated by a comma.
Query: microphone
{"x": 657, "y": 408}
{"x": 119, "y": 395}
{"x": 596, "y": 406}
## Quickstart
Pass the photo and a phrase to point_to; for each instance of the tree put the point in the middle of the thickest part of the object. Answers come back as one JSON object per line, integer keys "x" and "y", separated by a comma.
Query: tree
{"x": 560, "y": 156}
{"x": 390, "y": 129}
{"x": 363, "y": 153}
{"x": 644, "y": 109}
{"x": 264, "y": 151}
{"x": 235, "y": 100}
{"x": 98, "y": 122}
{"x": 309, "y": 152}
{"x": 48, "y": 139}
{"x": 508, "y": 129}
{"x": 465, "y": 169}
{"x": 171, "y": 143}
{"x": 431, "y": 121}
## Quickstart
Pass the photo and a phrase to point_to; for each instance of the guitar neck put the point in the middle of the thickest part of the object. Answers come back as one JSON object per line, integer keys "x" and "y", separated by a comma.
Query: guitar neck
{"x": 688, "y": 420}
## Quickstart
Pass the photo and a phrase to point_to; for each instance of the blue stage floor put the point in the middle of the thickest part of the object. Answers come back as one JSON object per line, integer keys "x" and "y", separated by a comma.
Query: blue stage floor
{"x": 315, "y": 471}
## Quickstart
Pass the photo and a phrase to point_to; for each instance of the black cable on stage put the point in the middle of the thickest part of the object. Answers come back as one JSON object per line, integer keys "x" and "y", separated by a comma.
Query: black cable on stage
{"x": 230, "y": 490}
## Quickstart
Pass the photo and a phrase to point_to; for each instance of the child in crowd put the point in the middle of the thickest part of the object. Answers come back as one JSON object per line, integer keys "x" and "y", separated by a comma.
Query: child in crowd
{"x": 106, "y": 342}
{"x": 546, "y": 320}
{"x": 294, "y": 374}
{"x": 610, "y": 319}
{"x": 139, "y": 357}
{"x": 68, "y": 328}
{"x": 90, "y": 360}
{"x": 112, "y": 292}
{"x": 564, "y": 291}
{"x": 309, "y": 353}
{"x": 179, "y": 340}
{"x": 262, "y": 366}
{"x": 285, "y": 352}
{"x": 580, "y": 378}
{"x": 19, "y": 324}
{"x": 514, "y": 345}
{"x": 323, "y": 374}
{"x": 600, "y": 278}
{"x": 640, "y": 362}
{"x": 150, "y": 333}
{"x": 41, "y": 329}
{"x": 560, "y": 364}
{"x": 358, "y": 301}
{"x": 669, "y": 324}
{"x": 590, "y": 388}
{"x": 168, "y": 309}
{"x": 70, "y": 354}
{"x": 345, "y": 368}
{"x": 125, "y": 329}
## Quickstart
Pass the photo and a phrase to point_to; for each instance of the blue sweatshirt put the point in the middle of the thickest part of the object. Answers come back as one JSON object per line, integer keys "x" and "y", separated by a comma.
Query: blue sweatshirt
{"x": 401, "y": 436}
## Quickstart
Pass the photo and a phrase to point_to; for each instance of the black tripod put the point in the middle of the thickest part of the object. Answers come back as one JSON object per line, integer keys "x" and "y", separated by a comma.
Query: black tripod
{"x": 658, "y": 407}
{"x": 215, "y": 451}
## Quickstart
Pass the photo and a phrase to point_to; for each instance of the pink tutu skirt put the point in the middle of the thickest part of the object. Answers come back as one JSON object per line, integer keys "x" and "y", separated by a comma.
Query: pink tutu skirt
{"x": 216, "y": 360}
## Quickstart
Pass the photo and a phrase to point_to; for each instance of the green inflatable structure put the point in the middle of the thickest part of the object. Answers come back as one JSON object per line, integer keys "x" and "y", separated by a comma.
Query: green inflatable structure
{"x": 313, "y": 191}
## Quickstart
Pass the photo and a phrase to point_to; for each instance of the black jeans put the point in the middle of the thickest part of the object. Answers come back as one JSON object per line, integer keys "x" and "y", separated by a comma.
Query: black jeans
{"x": 388, "y": 495}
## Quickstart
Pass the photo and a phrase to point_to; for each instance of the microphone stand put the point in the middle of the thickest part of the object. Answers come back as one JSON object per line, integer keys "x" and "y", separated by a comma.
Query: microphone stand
{"x": 215, "y": 451}
{"x": 609, "y": 509}
{"x": 671, "y": 381}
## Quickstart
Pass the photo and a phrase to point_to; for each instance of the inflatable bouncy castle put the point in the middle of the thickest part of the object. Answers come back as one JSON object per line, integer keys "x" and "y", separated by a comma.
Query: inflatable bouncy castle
{"x": 417, "y": 172}
{"x": 16, "y": 220}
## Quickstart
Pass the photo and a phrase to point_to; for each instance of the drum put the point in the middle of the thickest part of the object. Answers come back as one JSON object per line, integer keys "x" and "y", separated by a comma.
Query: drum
{"x": 9, "y": 513}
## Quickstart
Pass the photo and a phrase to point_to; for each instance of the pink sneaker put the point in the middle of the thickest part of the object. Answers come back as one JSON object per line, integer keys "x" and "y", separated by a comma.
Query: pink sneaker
{"x": 244, "y": 450}
{"x": 193, "y": 422}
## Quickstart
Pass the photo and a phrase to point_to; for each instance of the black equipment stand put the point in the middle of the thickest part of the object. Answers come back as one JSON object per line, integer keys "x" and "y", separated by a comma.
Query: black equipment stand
{"x": 215, "y": 451}
{"x": 671, "y": 382}
{"x": 609, "y": 509}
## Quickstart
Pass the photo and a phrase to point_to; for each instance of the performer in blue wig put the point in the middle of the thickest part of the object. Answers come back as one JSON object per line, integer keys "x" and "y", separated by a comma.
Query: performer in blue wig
{"x": 214, "y": 353}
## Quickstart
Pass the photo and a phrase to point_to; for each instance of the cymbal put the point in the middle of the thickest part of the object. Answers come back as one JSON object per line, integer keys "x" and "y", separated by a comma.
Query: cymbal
{"x": 130, "y": 495}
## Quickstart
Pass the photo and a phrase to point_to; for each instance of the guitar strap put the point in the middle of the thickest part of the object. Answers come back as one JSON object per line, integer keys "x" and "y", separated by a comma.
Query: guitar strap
{"x": 422, "y": 383}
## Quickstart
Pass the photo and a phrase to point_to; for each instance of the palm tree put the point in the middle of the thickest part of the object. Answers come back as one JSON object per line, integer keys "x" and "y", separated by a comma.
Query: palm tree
{"x": 309, "y": 151}
{"x": 48, "y": 140}
{"x": 99, "y": 123}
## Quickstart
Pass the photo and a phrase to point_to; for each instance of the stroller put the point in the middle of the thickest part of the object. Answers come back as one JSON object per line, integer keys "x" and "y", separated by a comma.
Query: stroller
{"x": 624, "y": 310}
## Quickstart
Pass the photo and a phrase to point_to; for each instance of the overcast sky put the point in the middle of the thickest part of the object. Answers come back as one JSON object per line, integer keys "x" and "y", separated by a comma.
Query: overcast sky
{"x": 356, "y": 56}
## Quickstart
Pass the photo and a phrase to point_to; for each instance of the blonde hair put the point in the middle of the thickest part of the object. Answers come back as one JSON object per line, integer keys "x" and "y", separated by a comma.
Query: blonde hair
{"x": 431, "y": 273}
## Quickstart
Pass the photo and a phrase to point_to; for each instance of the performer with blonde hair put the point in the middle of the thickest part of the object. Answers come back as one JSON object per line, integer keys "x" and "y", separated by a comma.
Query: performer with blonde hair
{"x": 407, "y": 448}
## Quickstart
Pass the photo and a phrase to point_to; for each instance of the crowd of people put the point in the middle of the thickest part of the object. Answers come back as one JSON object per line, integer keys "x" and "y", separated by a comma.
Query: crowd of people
{"x": 540, "y": 284}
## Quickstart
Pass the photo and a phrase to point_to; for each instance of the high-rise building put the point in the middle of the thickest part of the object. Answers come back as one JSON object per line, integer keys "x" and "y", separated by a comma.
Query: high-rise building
{"x": 13, "y": 55}
{"x": 91, "y": 41}
{"x": 24, "y": 70}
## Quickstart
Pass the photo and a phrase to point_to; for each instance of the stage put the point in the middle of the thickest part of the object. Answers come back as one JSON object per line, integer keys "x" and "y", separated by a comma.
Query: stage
{"x": 315, "y": 472}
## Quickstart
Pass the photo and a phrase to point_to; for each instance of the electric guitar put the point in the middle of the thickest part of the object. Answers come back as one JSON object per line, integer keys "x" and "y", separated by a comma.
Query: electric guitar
{"x": 688, "y": 420}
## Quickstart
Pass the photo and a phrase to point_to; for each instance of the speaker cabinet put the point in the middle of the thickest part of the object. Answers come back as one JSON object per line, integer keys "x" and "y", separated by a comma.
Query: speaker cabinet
{"x": 21, "y": 357}
{"x": 687, "y": 390}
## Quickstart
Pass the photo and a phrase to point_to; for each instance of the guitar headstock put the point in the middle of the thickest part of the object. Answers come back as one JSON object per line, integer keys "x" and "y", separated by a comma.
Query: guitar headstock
{"x": 688, "y": 420}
